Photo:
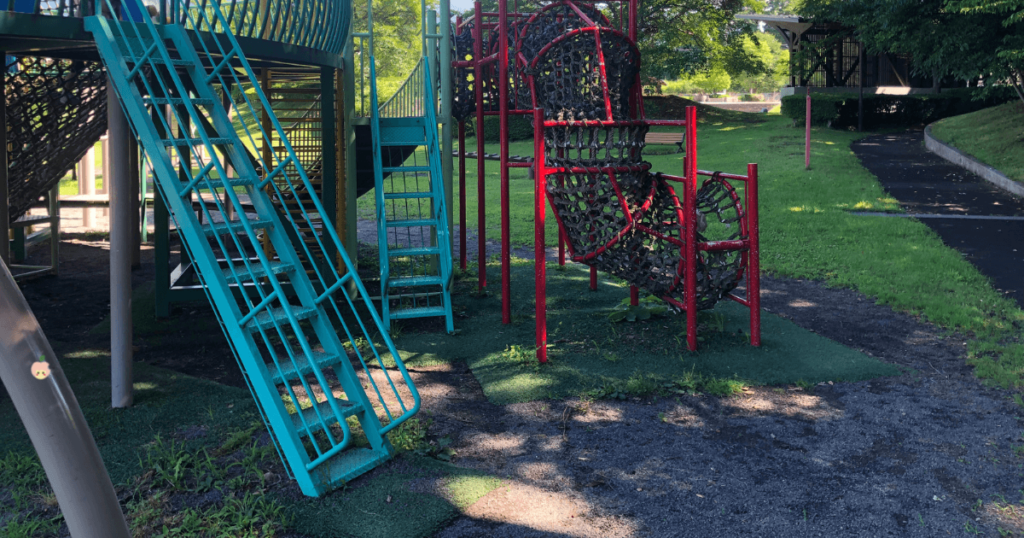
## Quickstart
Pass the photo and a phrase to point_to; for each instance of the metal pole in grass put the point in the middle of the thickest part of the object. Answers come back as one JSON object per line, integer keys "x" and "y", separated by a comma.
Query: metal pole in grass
{"x": 807, "y": 132}
{"x": 48, "y": 408}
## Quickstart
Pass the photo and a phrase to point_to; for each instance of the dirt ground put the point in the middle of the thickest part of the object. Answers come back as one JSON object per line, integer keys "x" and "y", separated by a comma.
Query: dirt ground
{"x": 930, "y": 453}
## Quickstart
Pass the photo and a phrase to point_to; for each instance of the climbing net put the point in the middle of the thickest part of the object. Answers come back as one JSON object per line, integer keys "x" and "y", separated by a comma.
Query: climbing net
{"x": 56, "y": 111}
{"x": 616, "y": 215}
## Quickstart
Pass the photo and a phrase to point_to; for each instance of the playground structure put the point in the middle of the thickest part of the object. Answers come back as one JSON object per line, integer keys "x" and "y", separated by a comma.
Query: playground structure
{"x": 577, "y": 76}
{"x": 257, "y": 166}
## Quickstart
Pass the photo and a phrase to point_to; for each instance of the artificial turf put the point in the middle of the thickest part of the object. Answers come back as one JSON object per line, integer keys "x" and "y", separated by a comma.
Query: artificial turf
{"x": 590, "y": 354}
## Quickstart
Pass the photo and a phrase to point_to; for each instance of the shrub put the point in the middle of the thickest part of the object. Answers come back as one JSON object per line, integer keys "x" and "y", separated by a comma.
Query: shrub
{"x": 839, "y": 110}
{"x": 752, "y": 97}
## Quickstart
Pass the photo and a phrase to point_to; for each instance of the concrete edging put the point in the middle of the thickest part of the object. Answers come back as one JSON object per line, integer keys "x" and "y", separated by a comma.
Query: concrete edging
{"x": 964, "y": 160}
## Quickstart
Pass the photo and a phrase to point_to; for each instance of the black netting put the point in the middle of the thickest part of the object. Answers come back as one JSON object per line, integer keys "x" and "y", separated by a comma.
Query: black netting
{"x": 56, "y": 111}
{"x": 615, "y": 214}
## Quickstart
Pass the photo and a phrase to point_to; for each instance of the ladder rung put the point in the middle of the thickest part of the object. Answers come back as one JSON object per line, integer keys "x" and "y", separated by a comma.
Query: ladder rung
{"x": 195, "y": 141}
{"x": 272, "y": 316}
{"x": 232, "y": 181}
{"x": 288, "y": 371}
{"x": 414, "y": 251}
{"x": 410, "y": 223}
{"x": 407, "y": 195}
{"x": 258, "y": 271}
{"x": 177, "y": 101}
{"x": 393, "y": 169}
{"x": 233, "y": 226}
{"x": 410, "y": 281}
{"x": 346, "y": 407}
{"x": 422, "y": 312}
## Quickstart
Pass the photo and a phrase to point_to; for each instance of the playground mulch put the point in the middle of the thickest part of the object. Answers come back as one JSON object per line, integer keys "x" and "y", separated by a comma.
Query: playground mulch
{"x": 928, "y": 452}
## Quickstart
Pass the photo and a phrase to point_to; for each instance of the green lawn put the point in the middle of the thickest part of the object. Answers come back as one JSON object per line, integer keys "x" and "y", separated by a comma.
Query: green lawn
{"x": 994, "y": 136}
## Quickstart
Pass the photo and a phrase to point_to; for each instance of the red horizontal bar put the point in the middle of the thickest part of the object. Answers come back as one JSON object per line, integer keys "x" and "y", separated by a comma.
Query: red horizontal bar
{"x": 516, "y": 164}
{"x": 722, "y": 174}
{"x": 714, "y": 246}
{"x": 670, "y": 177}
{"x": 743, "y": 302}
{"x": 681, "y": 123}
{"x": 464, "y": 63}
{"x": 511, "y": 113}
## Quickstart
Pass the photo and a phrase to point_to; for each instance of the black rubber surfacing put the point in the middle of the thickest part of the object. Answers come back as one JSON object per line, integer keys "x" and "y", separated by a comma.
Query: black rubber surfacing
{"x": 923, "y": 182}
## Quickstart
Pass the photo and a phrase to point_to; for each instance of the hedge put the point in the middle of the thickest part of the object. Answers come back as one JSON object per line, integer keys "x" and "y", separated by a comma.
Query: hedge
{"x": 839, "y": 110}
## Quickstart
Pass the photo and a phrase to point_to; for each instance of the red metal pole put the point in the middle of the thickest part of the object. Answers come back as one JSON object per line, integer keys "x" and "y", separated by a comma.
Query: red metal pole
{"x": 754, "y": 258}
{"x": 539, "y": 252}
{"x": 462, "y": 195}
{"x": 561, "y": 247}
{"x": 593, "y": 278}
{"x": 807, "y": 133}
{"x": 634, "y": 295}
{"x": 689, "y": 212}
{"x": 481, "y": 217}
{"x": 506, "y": 267}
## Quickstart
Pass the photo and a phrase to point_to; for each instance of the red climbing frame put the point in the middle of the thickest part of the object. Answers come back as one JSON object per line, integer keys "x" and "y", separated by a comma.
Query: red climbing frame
{"x": 483, "y": 69}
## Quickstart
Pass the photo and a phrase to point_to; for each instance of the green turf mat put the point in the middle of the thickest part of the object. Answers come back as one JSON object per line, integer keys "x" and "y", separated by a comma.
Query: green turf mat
{"x": 590, "y": 351}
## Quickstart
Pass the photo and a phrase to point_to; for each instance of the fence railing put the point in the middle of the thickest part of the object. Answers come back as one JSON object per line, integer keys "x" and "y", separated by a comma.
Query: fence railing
{"x": 408, "y": 101}
{"x": 318, "y": 24}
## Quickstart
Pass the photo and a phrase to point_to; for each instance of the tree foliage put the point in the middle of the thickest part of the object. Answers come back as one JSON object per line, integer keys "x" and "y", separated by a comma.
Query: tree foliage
{"x": 396, "y": 34}
{"x": 967, "y": 39}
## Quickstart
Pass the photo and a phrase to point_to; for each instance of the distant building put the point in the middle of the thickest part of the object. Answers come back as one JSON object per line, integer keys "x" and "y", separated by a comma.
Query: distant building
{"x": 842, "y": 66}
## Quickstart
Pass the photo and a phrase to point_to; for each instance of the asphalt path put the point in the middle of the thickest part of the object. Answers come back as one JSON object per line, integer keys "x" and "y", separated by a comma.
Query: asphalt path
{"x": 971, "y": 215}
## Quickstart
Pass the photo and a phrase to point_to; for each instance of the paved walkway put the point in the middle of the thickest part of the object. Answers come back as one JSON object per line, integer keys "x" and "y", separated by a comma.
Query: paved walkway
{"x": 973, "y": 216}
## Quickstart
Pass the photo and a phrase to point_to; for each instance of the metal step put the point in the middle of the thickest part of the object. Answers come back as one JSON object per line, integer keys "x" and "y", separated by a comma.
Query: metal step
{"x": 413, "y": 251}
{"x": 407, "y": 195}
{"x": 258, "y": 271}
{"x": 168, "y": 142}
{"x": 289, "y": 372}
{"x": 234, "y": 226}
{"x": 271, "y": 316}
{"x": 405, "y": 169}
{"x": 408, "y": 223}
{"x": 423, "y": 312}
{"x": 411, "y": 281}
{"x": 218, "y": 183}
{"x": 313, "y": 421}
{"x": 177, "y": 101}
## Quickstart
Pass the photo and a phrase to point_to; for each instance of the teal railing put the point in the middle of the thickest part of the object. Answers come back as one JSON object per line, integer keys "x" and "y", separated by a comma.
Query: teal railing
{"x": 318, "y": 24}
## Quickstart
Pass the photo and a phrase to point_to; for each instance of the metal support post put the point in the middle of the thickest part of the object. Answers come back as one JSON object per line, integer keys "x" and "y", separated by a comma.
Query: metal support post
{"x": 5, "y": 220}
{"x": 53, "y": 207}
{"x": 87, "y": 179}
{"x": 347, "y": 200}
{"x": 462, "y": 195}
{"x": 506, "y": 264}
{"x": 47, "y": 406}
{"x": 120, "y": 191}
{"x": 481, "y": 215}
{"x": 689, "y": 213}
{"x": 329, "y": 158}
{"x": 753, "y": 258}
{"x": 539, "y": 250}
{"x": 807, "y": 131}
{"x": 444, "y": 28}
{"x": 136, "y": 205}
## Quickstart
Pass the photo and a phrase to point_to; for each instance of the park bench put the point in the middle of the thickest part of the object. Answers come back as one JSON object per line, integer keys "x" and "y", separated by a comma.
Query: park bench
{"x": 665, "y": 139}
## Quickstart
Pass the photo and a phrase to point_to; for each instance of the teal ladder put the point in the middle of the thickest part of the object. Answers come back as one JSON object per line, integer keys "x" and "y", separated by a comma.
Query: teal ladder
{"x": 288, "y": 329}
{"x": 412, "y": 225}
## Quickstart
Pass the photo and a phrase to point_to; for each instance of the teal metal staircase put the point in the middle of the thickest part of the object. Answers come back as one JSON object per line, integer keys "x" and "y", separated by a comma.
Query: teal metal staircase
{"x": 300, "y": 339}
{"x": 412, "y": 226}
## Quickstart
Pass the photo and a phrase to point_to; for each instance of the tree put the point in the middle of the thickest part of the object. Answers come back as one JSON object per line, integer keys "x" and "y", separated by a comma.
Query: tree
{"x": 396, "y": 34}
{"x": 772, "y": 60}
{"x": 963, "y": 38}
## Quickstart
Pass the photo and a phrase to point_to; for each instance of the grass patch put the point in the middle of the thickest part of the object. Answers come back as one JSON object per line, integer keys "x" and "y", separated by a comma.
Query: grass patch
{"x": 191, "y": 458}
{"x": 593, "y": 355}
{"x": 994, "y": 136}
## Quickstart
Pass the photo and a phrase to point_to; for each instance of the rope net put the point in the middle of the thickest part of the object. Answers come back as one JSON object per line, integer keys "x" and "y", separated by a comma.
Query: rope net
{"x": 56, "y": 111}
{"x": 616, "y": 215}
